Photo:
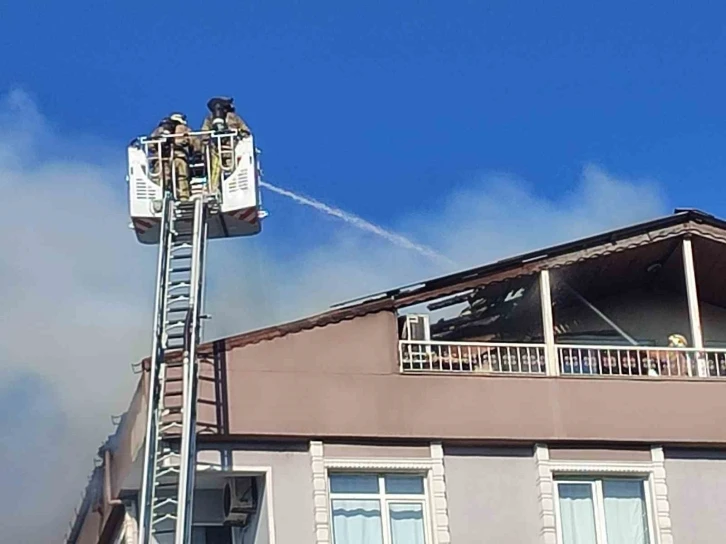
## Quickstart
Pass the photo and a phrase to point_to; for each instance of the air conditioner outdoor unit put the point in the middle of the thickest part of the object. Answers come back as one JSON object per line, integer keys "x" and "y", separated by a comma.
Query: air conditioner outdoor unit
{"x": 240, "y": 500}
{"x": 417, "y": 328}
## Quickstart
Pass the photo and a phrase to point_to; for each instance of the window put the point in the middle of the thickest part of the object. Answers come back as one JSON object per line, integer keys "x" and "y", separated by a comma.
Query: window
{"x": 602, "y": 511}
{"x": 378, "y": 508}
{"x": 211, "y": 534}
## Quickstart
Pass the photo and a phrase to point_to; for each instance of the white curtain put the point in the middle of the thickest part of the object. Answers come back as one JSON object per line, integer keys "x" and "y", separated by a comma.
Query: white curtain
{"x": 577, "y": 514}
{"x": 407, "y": 523}
{"x": 625, "y": 514}
{"x": 357, "y": 522}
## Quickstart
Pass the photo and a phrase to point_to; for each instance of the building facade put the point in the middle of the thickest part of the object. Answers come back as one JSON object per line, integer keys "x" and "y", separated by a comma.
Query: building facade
{"x": 575, "y": 395}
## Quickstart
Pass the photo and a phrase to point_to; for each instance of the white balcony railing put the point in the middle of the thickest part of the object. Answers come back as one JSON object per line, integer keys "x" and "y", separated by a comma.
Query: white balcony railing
{"x": 456, "y": 357}
{"x": 578, "y": 360}
{"x": 641, "y": 361}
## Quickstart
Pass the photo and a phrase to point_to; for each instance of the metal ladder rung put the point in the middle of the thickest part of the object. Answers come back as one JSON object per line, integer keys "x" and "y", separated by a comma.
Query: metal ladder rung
{"x": 177, "y": 285}
{"x": 162, "y": 519}
{"x": 175, "y": 324}
{"x": 166, "y": 427}
{"x": 162, "y": 472}
{"x": 161, "y": 503}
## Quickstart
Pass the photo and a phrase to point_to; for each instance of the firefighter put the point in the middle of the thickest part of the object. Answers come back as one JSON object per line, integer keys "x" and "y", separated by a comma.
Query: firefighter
{"x": 677, "y": 341}
{"x": 160, "y": 151}
{"x": 179, "y": 146}
{"x": 222, "y": 117}
{"x": 680, "y": 363}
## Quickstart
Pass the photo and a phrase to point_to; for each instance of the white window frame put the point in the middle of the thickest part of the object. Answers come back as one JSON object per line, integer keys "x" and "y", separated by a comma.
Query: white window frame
{"x": 385, "y": 499}
{"x": 656, "y": 490}
{"x": 595, "y": 481}
{"x": 432, "y": 467}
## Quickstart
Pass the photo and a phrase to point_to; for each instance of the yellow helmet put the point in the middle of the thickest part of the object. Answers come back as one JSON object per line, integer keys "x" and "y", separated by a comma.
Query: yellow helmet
{"x": 677, "y": 341}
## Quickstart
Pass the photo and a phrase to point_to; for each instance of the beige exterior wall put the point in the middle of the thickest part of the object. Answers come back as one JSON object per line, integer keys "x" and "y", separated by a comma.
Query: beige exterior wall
{"x": 697, "y": 491}
{"x": 90, "y": 530}
{"x": 492, "y": 495}
{"x": 343, "y": 381}
{"x": 291, "y": 493}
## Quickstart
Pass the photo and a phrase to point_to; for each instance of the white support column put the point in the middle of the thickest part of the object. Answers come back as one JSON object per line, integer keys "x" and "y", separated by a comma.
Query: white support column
{"x": 320, "y": 493}
{"x": 546, "y": 492}
{"x": 694, "y": 315}
{"x": 548, "y": 324}
{"x": 438, "y": 495}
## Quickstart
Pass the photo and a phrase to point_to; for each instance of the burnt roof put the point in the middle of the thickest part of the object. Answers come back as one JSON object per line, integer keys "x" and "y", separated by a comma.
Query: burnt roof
{"x": 498, "y": 271}
{"x": 679, "y": 217}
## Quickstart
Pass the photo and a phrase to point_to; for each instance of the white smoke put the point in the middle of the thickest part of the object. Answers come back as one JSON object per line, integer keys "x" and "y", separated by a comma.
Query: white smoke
{"x": 77, "y": 288}
{"x": 359, "y": 223}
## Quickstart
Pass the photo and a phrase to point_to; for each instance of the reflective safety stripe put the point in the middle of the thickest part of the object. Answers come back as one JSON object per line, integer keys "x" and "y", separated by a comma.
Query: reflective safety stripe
{"x": 142, "y": 225}
{"x": 248, "y": 215}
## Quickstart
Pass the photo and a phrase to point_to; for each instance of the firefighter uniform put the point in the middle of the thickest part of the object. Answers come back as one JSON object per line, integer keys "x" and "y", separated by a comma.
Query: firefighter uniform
{"x": 178, "y": 150}
{"x": 222, "y": 116}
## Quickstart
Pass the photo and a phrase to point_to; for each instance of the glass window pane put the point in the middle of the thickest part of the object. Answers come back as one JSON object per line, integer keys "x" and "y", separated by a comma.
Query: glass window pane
{"x": 577, "y": 516}
{"x": 626, "y": 520}
{"x": 218, "y": 535}
{"x": 404, "y": 484}
{"x": 353, "y": 483}
{"x": 357, "y": 522}
{"x": 406, "y": 523}
{"x": 199, "y": 535}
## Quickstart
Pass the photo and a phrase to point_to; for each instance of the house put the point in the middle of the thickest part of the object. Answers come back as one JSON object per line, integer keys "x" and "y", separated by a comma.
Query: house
{"x": 574, "y": 394}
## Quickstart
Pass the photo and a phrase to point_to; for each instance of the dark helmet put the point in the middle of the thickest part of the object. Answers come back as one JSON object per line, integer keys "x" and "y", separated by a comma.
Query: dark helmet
{"x": 220, "y": 103}
{"x": 167, "y": 124}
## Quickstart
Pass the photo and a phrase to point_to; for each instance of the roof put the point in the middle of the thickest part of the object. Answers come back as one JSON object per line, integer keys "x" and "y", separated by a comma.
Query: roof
{"x": 414, "y": 291}
{"x": 524, "y": 264}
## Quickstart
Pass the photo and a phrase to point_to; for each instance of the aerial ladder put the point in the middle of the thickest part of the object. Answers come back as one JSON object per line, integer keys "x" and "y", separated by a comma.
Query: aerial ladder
{"x": 182, "y": 229}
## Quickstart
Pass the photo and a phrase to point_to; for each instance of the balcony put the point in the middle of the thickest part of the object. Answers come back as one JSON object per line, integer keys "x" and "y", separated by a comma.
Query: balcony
{"x": 652, "y": 308}
{"x": 464, "y": 357}
{"x": 571, "y": 360}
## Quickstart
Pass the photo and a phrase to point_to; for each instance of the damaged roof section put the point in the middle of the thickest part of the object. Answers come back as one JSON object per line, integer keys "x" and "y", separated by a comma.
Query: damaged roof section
{"x": 507, "y": 289}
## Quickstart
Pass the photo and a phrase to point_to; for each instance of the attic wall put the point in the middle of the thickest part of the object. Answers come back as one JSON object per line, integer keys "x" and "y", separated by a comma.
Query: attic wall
{"x": 91, "y": 529}
{"x": 342, "y": 381}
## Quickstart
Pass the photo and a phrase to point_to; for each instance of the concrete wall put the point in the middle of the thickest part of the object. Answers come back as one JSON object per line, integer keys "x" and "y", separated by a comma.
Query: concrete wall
{"x": 291, "y": 493}
{"x": 697, "y": 495}
{"x": 492, "y": 495}
{"x": 90, "y": 530}
{"x": 343, "y": 381}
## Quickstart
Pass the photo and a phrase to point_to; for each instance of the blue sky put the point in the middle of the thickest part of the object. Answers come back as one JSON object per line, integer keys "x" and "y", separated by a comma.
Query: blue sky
{"x": 370, "y": 103}
{"x": 482, "y": 129}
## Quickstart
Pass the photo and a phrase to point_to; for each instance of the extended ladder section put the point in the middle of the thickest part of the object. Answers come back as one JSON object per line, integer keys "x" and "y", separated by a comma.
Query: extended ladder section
{"x": 170, "y": 449}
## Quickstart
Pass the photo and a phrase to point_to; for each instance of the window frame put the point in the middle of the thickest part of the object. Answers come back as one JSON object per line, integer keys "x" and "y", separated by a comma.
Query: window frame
{"x": 595, "y": 481}
{"x": 385, "y": 499}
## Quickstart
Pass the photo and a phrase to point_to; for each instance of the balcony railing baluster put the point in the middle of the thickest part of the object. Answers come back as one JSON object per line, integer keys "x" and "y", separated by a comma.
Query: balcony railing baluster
{"x": 573, "y": 360}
